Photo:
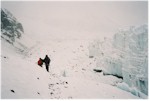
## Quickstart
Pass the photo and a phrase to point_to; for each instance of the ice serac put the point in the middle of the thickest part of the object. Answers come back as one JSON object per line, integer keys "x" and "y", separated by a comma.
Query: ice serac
{"x": 10, "y": 27}
{"x": 135, "y": 68}
{"x": 125, "y": 55}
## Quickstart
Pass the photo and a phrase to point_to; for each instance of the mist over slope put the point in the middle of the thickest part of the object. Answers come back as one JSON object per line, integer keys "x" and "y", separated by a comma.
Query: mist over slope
{"x": 77, "y": 19}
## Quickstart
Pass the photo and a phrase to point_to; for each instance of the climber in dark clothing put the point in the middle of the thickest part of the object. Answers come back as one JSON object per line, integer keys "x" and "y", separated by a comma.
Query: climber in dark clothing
{"x": 47, "y": 62}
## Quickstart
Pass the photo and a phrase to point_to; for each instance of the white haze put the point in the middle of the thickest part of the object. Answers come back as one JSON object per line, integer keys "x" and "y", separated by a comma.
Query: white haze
{"x": 77, "y": 19}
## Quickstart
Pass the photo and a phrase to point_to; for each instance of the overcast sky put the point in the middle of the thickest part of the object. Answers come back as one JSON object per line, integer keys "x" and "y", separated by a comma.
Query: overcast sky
{"x": 78, "y": 19}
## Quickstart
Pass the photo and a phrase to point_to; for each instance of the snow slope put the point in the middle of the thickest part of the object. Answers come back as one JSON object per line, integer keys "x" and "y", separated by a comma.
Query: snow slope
{"x": 71, "y": 70}
{"x": 71, "y": 75}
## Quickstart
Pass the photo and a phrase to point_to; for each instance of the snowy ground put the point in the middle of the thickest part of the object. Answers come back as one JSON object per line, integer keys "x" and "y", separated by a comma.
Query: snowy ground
{"x": 71, "y": 73}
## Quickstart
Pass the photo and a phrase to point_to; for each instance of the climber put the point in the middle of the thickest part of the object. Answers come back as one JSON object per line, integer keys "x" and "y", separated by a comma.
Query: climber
{"x": 47, "y": 62}
{"x": 40, "y": 62}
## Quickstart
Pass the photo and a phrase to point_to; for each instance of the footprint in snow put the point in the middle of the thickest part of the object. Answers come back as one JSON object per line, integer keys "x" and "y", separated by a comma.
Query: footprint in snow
{"x": 66, "y": 82}
{"x": 5, "y": 57}
{"x": 12, "y": 91}
{"x": 38, "y": 93}
{"x": 51, "y": 93}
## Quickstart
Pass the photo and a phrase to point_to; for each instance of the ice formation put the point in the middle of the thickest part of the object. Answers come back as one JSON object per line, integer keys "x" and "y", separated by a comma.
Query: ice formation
{"x": 125, "y": 55}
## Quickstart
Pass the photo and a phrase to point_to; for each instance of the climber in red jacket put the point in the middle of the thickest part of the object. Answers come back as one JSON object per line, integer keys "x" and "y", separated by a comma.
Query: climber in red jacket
{"x": 40, "y": 62}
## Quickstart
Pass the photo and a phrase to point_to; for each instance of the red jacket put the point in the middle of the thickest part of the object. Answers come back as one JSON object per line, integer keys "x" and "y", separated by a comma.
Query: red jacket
{"x": 40, "y": 62}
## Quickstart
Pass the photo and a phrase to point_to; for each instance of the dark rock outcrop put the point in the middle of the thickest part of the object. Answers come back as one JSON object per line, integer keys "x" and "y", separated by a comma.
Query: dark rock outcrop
{"x": 10, "y": 27}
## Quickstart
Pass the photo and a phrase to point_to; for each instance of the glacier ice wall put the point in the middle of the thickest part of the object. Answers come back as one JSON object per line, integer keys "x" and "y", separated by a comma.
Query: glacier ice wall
{"x": 125, "y": 55}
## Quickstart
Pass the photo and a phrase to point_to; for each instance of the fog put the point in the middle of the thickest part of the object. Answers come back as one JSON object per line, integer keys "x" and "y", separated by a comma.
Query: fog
{"x": 77, "y": 19}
